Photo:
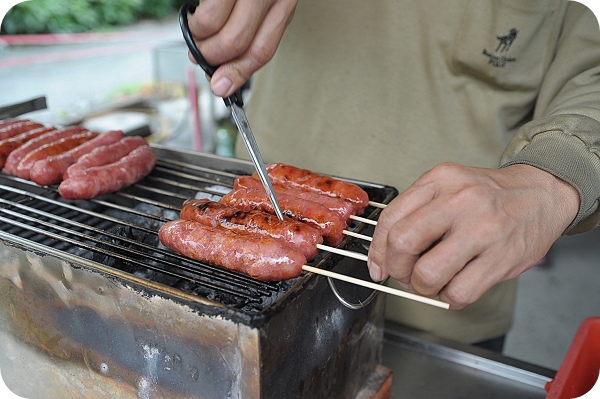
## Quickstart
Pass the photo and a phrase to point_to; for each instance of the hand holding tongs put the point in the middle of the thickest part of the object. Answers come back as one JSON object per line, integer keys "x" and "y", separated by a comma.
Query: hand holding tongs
{"x": 236, "y": 103}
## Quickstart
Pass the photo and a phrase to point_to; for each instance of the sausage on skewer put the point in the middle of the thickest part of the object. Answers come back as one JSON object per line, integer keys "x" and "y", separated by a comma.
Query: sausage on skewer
{"x": 343, "y": 208}
{"x": 303, "y": 179}
{"x": 300, "y": 236}
{"x": 263, "y": 258}
{"x": 328, "y": 222}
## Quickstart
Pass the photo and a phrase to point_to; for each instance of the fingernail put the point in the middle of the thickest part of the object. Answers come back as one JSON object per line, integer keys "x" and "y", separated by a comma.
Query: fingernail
{"x": 374, "y": 271}
{"x": 222, "y": 86}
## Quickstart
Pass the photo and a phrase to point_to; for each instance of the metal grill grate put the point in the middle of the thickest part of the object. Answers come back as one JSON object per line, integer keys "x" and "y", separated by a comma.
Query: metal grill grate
{"x": 119, "y": 231}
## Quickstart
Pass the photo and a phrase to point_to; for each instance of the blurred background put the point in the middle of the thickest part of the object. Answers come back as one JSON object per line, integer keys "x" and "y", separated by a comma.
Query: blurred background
{"x": 122, "y": 64}
{"x": 111, "y": 63}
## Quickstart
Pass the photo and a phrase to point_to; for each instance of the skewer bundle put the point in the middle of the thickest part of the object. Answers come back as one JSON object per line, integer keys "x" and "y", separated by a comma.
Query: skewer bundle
{"x": 240, "y": 215}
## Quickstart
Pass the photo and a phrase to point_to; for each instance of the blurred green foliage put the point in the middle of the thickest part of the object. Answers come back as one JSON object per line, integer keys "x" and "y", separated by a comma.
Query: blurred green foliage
{"x": 68, "y": 16}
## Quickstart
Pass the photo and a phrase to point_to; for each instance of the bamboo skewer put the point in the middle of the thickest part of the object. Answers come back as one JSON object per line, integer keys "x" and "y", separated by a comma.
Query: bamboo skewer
{"x": 378, "y": 287}
{"x": 357, "y": 235}
{"x": 377, "y": 204}
{"x": 368, "y": 284}
{"x": 338, "y": 251}
{"x": 364, "y": 220}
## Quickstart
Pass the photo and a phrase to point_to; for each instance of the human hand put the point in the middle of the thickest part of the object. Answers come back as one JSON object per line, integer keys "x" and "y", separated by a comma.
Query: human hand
{"x": 459, "y": 230}
{"x": 240, "y": 36}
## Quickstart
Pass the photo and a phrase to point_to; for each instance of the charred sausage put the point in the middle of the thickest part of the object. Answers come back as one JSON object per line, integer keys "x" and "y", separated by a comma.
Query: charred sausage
{"x": 51, "y": 169}
{"x": 303, "y": 179}
{"x": 50, "y": 149}
{"x": 100, "y": 180}
{"x": 328, "y": 222}
{"x": 105, "y": 154}
{"x": 18, "y": 154}
{"x": 13, "y": 129}
{"x": 262, "y": 258}
{"x": 9, "y": 145}
{"x": 300, "y": 236}
{"x": 343, "y": 208}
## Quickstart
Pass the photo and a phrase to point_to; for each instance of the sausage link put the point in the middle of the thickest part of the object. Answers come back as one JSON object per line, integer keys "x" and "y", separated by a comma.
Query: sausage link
{"x": 50, "y": 149}
{"x": 305, "y": 180}
{"x": 18, "y": 154}
{"x": 300, "y": 236}
{"x": 50, "y": 170}
{"x": 100, "y": 180}
{"x": 9, "y": 145}
{"x": 105, "y": 154}
{"x": 13, "y": 129}
{"x": 328, "y": 222}
{"x": 262, "y": 258}
{"x": 343, "y": 208}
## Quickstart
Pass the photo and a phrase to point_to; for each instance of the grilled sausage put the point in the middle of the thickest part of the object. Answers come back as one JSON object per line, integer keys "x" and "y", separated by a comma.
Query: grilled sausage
{"x": 13, "y": 129}
{"x": 262, "y": 258}
{"x": 105, "y": 154}
{"x": 51, "y": 169}
{"x": 50, "y": 149}
{"x": 18, "y": 154}
{"x": 305, "y": 180}
{"x": 343, "y": 208}
{"x": 300, "y": 236}
{"x": 100, "y": 180}
{"x": 328, "y": 222}
{"x": 9, "y": 145}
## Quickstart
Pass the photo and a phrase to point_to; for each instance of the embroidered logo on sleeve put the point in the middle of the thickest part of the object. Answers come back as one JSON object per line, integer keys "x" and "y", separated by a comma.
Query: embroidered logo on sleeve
{"x": 496, "y": 59}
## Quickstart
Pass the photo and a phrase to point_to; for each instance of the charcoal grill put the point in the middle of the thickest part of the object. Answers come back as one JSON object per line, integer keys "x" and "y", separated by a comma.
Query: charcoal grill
{"x": 93, "y": 306}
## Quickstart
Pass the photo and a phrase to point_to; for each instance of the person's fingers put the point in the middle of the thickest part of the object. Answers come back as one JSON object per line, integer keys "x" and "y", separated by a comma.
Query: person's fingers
{"x": 437, "y": 266}
{"x": 407, "y": 202}
{"x": 230, "y": 76}
{"x": 234, "y": 38}
{"x": 474, "y": 280}
{"x": 209, "y": 17}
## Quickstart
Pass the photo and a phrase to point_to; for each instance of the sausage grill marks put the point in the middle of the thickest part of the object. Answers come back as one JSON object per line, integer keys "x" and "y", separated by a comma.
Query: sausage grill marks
{"x": 297, "y": 235}
{"x": 305, "y": 180}
{"x": 343, "y": 208}
{"x": 328, "y": 222}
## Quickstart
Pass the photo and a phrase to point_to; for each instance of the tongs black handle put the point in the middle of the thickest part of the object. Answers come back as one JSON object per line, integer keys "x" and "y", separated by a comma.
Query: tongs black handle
{"x": 235, "y": 98}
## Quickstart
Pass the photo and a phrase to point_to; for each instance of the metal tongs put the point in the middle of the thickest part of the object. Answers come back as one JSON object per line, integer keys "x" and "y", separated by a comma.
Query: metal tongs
{"x": 236, "y": 103}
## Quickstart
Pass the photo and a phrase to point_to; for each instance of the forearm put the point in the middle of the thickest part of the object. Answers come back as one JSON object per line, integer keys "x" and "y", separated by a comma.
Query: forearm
{"x": 564, "y": 136}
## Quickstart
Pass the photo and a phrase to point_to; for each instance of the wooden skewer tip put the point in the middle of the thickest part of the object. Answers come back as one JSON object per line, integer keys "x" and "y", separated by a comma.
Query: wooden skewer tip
{"x": 378, "y": 287}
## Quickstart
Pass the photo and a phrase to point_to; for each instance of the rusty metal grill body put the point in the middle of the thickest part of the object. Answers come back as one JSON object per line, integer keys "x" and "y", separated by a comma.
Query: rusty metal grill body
{"x": 92, "y": 305}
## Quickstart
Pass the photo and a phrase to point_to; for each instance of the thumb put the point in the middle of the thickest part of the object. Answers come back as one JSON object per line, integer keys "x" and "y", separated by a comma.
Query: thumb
{"x": 228, "y": 78}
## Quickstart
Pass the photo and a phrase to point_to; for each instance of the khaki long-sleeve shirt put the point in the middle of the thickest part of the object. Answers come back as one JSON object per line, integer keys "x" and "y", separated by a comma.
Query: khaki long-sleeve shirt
{"x": 383, "y": 91}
